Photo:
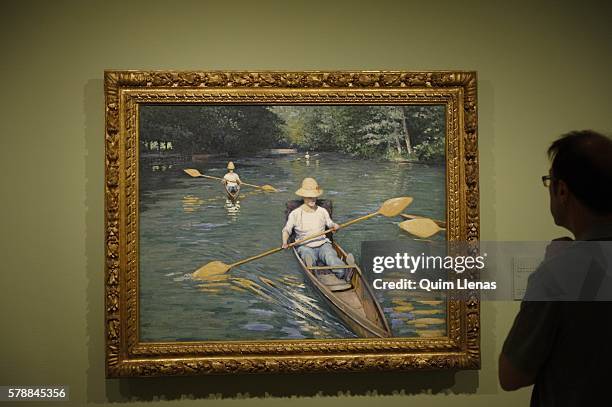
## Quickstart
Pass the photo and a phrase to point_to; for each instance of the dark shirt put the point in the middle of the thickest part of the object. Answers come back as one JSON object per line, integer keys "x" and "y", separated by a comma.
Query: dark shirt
{"x": 567, "y": 345}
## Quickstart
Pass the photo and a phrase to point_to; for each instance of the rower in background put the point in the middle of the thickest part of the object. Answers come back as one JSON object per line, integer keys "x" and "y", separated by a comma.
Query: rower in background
{"x": 231, "y": 180}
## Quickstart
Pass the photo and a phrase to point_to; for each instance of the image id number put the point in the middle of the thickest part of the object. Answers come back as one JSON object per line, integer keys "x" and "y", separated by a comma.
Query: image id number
{"x": 33, "y": 393}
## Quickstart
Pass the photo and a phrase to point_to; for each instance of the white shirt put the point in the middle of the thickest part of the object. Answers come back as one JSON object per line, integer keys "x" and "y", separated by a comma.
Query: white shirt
{"x": 306, "y": 223}
{"x": 231, "y": 178}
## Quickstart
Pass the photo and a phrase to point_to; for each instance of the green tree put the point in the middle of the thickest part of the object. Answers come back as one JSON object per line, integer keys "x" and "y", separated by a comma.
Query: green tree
{"x": 211, "y": 129}
{"x": 426, "y": 125}
{"x": 292, "y": 127}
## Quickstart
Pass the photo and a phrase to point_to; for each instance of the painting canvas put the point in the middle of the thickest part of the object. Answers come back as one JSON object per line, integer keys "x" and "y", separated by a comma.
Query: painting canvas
{"x": 214, "y": 181}
{"x": 360, "y": 156}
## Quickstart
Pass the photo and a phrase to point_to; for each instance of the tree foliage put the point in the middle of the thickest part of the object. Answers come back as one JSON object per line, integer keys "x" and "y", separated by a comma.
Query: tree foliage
{"x": 415, "y": 131}
{"x": 211, "y": 129}
{"x": 369, "y": 131}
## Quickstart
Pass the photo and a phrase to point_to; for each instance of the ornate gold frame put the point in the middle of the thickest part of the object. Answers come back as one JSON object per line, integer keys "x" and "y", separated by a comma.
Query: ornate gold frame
{"x": 125, "y": 90}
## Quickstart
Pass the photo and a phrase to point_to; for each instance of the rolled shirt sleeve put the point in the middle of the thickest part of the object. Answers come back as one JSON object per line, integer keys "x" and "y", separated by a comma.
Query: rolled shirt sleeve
{"x": 290, "y": 223}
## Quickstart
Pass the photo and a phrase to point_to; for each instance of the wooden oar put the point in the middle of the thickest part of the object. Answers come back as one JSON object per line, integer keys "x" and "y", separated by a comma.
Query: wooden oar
{"x": 421, "y": 227}
{"x": 440, "y": 223}
{"x": 195, "y": 173}
{"x": 390, "y": 208}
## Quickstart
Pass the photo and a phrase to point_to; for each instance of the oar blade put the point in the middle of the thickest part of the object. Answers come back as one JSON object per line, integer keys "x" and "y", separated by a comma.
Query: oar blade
{"x": 395, "y": 206}
{"x": 211, "y": 269}
{"x": 192, "y": 172}
{"x": 440, "y": 223}
{"x": 421, "y": 227}
{"x": 269, "y": 188}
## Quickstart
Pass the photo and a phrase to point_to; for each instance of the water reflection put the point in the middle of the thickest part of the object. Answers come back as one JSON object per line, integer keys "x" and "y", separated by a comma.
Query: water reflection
{"x": 192, "y": 203}
{"x": 233, "y": 209}
{"x": 161, "y": 167}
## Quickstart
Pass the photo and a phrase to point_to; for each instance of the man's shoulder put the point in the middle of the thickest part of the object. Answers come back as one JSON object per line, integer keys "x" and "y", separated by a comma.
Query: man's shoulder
{"x": 295, "y": 211}
{"x": 565, "y": 276}
{"x": 572, "y": 257}
{"x": 322, "y": 210}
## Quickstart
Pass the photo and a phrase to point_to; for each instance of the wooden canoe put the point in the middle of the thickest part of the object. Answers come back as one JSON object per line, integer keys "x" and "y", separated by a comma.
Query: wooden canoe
{"x": 232, "y": 196}
{"x": 356, "y": 306}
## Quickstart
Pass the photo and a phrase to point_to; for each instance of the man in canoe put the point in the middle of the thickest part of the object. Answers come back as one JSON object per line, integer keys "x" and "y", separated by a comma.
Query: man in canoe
{"x": 231, "y": 180}
{"x": 310, "y": 219}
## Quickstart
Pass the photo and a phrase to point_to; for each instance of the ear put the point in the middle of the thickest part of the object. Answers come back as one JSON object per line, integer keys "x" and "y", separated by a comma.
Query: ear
{"x": 562, "y": 190}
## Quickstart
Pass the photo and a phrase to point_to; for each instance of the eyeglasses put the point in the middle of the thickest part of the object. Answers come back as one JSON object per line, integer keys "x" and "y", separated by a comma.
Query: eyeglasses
{"x": 546, "y": 179}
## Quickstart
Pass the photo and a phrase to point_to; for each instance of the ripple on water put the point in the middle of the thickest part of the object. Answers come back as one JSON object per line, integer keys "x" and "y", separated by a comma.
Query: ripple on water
{"x": 184, "y": 277}
{"x": 262, "y": 312}
{"x": 396, "y": 323}
{"x": 207, "y": 226}
{"x": 292, "y": 333}
{"x": 256, "y": 326}
{"x": 404, "y": 315}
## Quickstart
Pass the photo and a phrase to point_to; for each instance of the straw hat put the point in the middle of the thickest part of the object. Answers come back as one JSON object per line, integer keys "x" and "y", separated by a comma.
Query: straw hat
{"x": 309, "y": 189}
{"x": 230, "y": 165}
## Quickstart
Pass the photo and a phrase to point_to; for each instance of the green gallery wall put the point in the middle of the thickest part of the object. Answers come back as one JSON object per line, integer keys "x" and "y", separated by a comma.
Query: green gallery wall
{"x": 543, "y": 69}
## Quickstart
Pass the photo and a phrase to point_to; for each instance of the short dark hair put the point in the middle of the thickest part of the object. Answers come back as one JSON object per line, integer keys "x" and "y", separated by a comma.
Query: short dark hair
{"x": 583, "y": 159}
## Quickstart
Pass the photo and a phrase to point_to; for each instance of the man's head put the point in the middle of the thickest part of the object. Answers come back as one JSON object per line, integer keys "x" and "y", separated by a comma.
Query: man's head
{"x": 581, "y": 176}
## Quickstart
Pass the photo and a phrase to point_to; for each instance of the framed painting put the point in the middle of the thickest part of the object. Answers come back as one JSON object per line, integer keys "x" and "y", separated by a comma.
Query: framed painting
{"x": 215, "y": 184}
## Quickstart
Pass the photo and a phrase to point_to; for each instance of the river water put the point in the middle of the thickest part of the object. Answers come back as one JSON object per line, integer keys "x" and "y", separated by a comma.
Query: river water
{"x": 186, "y": 222}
